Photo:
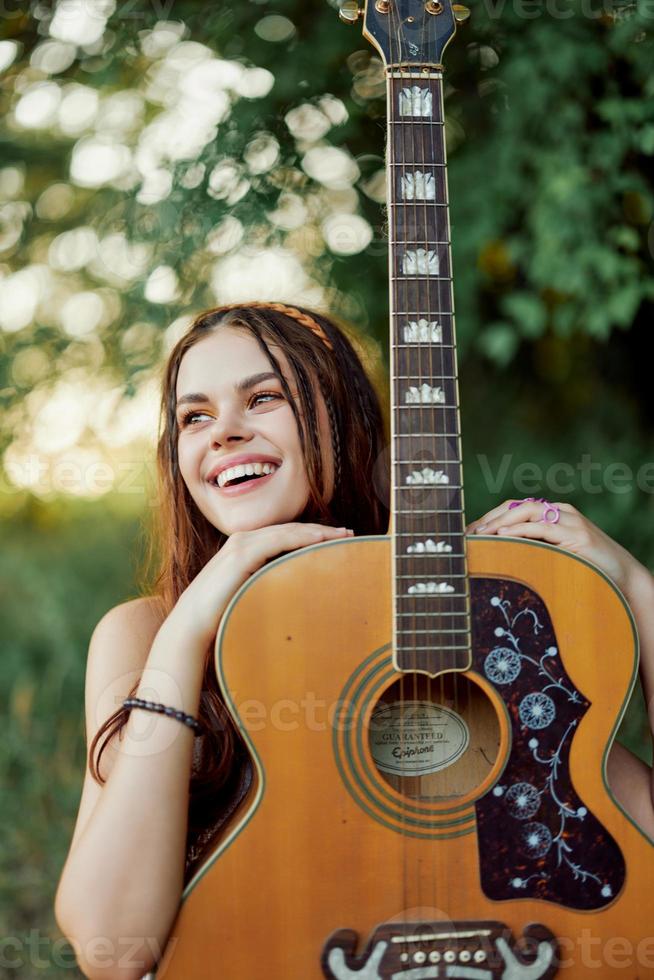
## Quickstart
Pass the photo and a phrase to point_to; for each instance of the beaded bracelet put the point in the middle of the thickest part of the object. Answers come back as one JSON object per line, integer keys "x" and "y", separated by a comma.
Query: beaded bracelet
{"x": 164, "y": 709}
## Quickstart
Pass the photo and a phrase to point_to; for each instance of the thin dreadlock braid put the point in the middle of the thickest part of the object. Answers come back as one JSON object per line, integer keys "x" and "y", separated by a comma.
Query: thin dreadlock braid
{"x": 295, "y": 314}
{"x": 336, "y": 442}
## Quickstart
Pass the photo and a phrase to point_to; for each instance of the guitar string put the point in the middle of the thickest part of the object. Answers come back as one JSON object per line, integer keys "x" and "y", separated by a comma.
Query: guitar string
{"x": 403, "y": 292}
{"x": 462, "y": 600}
{"x": 395, "y": 333}
{"x": 434, "y": 428}
{"x": 420, "y": 162}
{"x": 413, "y": 289}
{"x": 453, "y": 496}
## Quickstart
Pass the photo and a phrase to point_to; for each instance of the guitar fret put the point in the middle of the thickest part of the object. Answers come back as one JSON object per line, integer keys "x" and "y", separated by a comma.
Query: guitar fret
{"x": 434, "y": 595}
{"x": 415, "y": 120}
{"x": 417, "y": 243}
{"x": 440, "y": 534}
{"x": 402, "y": 575}
{"x": 402, "y": 278}
{"x": 456, "y": 646}
{"x": 446, "y": 510}
{"x": 417, "y": 204}
{"x": 429, "y": 486}
{"x": 425, "y": 612}
{"x": 415, "y": 163}
{"x": 410, "y": 632}
{"x": 429, "y": 554}
{"x": 433, "y": 345}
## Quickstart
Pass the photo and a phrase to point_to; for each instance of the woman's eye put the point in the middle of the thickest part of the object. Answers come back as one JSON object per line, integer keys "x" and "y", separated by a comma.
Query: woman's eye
{"x": 265, "y": 394}
{"x": 186, "y": 419}
{"x": 190, "y": 416}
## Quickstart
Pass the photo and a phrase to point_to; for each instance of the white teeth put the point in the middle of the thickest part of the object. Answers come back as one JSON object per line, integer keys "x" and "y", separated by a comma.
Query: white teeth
{"x": 246, "y": 469}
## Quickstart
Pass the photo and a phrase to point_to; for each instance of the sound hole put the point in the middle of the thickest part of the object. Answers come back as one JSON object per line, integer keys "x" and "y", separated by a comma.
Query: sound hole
{"x": 434, "y": 739}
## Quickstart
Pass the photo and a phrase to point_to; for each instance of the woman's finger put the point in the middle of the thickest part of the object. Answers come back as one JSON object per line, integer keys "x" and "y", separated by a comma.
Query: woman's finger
{"x": 552, "y": 533}
{"x": 533, "y": 511}
{"x": 484, "y": 520}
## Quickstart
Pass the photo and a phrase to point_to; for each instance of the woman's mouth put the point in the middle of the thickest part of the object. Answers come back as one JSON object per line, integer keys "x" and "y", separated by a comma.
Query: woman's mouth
{"x": 245, "y": 478}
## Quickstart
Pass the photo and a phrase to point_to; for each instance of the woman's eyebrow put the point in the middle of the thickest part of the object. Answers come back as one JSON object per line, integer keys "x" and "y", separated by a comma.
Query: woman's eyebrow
{"x": 243, "y": 385}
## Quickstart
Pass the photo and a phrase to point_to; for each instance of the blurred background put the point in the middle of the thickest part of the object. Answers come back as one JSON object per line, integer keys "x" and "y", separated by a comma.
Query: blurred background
{"x": 160, "y": 157}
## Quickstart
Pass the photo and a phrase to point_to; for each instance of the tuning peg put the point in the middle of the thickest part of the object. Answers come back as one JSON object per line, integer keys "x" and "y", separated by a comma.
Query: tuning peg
{"x": 349, "y": 12}
{"x": 460, "y": 12}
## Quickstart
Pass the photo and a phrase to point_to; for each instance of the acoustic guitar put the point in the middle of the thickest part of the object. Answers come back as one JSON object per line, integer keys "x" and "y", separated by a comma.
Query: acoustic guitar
{"x": 428, "y": 716}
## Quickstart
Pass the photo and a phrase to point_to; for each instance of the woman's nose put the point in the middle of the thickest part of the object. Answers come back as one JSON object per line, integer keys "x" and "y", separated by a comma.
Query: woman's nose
{"x": 230, "y": 426}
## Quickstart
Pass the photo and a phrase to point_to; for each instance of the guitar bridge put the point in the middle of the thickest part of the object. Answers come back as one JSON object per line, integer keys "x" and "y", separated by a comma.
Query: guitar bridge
{"x": 435, "y": 950}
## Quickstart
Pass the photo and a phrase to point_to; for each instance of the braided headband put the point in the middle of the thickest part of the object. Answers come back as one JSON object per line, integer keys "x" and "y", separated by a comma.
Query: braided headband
{"x": 303, "y": 318}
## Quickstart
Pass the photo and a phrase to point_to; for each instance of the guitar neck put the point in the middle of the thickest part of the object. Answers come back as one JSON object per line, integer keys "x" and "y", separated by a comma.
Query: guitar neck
{"x": 431, "y": 586}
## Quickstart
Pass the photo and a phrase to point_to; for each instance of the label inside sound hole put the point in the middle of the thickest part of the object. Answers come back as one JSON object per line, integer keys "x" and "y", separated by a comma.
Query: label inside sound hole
{"x": 413, "y": 738}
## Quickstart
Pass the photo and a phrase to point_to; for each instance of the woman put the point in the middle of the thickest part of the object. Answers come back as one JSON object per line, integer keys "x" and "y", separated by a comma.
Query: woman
{"x": 271, "y": 432}
{"x": 282, "y": 390}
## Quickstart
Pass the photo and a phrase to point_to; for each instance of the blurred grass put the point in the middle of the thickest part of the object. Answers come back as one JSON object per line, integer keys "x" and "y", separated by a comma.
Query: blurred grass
{"x": 62, "y": 565}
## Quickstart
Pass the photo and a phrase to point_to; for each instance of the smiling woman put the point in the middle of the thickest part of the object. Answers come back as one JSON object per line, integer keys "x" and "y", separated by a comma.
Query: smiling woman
{"x": 248, "y": 419}
{"x": 271, "y": 435}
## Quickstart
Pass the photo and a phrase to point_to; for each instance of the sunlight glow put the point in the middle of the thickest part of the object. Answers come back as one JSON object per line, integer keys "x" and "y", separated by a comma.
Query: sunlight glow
{"x": 38, "y": 105}
{"x": 264, "y": 274}
{"x": 96, "y": 162}
{"x": 331, "y": 166}
{"x": 79, "y": 21}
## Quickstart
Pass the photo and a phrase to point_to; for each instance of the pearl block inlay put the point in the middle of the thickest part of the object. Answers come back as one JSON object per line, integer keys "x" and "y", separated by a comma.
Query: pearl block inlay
{"x": 418, "y": 186}
{"x": 421, "y": 261}
{"x": 422, "y": 331}
{"x": 427, "y": 475}
{"x": 434, "y": 547}
{"x": 415, "y": 101}
{"x": 425, "y": 393}
{"x": 424, "y": 588}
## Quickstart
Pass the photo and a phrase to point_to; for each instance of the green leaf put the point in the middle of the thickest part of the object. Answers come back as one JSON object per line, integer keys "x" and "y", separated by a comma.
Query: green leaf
{"x": 528, "y": 312}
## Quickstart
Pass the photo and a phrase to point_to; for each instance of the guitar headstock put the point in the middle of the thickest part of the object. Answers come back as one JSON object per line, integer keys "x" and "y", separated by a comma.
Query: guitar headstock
{"x": 407, "y": 32}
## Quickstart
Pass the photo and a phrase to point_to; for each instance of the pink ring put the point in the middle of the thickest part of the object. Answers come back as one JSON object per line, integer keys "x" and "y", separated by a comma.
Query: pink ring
{"x": 538, "y": 500}
{"x": 516, "y": 503}
{"x": 550, "y": 508}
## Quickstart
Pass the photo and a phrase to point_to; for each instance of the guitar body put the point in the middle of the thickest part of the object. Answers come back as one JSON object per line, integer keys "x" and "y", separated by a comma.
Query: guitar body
{"x": 435, "y": 871}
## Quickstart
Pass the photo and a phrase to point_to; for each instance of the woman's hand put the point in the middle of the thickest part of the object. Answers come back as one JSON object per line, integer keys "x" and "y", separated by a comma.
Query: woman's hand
{"x": 573, "y": 531}
{"x": 201, "y": 605}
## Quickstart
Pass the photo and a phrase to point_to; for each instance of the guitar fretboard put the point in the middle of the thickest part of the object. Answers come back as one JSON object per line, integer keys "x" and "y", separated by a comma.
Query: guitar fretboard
{"x": 431, "y": 586}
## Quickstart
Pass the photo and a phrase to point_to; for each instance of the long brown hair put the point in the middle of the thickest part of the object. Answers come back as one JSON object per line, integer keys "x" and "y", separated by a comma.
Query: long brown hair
{"x": 182, "y": 540}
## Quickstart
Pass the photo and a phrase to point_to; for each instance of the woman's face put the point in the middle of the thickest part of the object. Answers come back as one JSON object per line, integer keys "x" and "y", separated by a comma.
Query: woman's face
{"x": 234, "y": 418}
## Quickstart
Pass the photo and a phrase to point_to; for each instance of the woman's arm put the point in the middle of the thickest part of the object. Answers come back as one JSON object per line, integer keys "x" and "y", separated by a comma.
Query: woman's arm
{"x": 122, "y": 882}
{"x": 630, "y": 779}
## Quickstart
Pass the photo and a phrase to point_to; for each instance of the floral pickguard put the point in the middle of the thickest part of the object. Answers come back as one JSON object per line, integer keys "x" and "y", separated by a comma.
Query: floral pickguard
{"x": 537, "y": 839}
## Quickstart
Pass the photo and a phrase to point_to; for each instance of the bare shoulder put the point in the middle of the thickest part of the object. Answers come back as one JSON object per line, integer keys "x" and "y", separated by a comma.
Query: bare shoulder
{"x": 135, "y": 619}
{"x": 118, "y": 651}
{"x": 117, "y": 654}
